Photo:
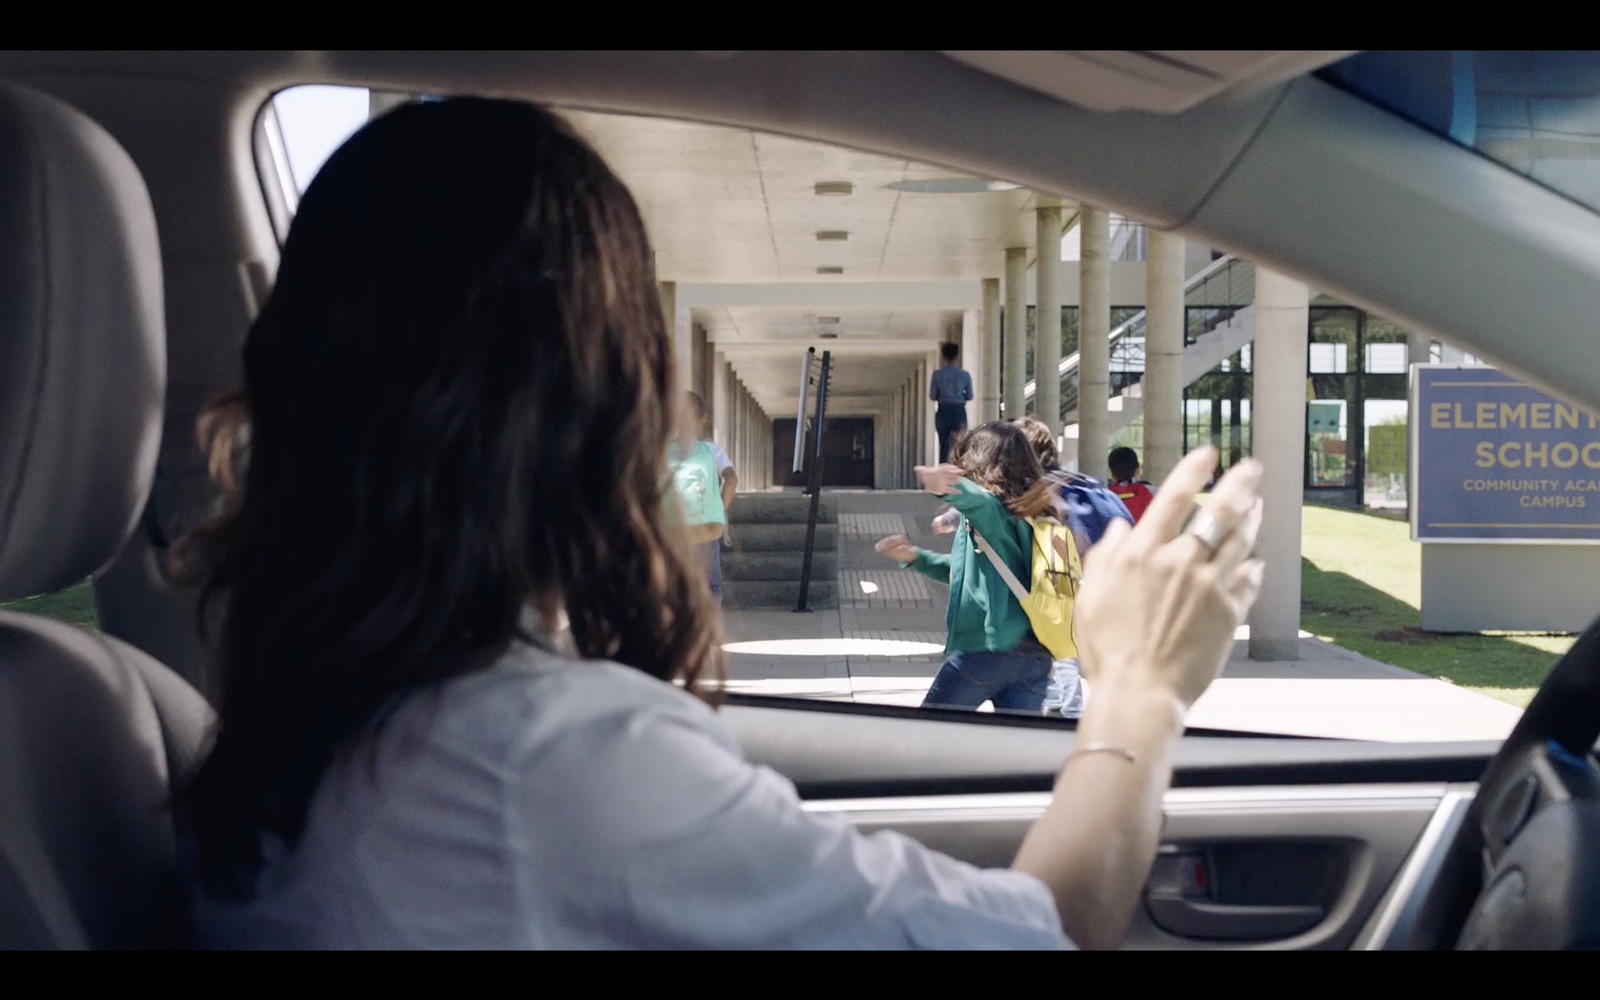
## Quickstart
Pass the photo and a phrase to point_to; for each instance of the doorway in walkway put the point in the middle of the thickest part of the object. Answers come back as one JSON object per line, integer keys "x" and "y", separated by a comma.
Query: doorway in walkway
{"x": 847, "y": 453}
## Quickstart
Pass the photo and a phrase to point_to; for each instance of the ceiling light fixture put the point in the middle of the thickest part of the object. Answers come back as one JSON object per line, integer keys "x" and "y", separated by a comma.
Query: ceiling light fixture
{"x": 834, "y": 188}
{"x": 830, "y": 270}
{"x": 832, "y": 235}
{"x": 827, "y": 336}
{"x": 953, "y": 185}
{"x": 829, "y": 320}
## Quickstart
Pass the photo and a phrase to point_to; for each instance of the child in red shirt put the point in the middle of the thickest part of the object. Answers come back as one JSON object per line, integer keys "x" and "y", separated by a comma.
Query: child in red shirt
{"x": 1134, "y": 492}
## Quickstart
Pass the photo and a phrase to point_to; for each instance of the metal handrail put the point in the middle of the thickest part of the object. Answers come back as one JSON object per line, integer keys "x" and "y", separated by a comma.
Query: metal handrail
{"x": 1199, "y": 278}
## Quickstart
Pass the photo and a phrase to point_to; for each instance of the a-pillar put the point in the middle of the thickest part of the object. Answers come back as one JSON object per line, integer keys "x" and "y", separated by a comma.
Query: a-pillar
{"x": 989, "y": 387}
{"x": 1047, "y": 323}
{"x": 1015, "y": 320}
{"x": 1277, "y": 431}
{"x": 1163, "y": 356}
{"x": 1094, "y": 349}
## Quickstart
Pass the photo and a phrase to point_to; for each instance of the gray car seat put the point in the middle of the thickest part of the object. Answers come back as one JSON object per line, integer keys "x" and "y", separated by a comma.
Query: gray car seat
{"x": 92, "y": 731}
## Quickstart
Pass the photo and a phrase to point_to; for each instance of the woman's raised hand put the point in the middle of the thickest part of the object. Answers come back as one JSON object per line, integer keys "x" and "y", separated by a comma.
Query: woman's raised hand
{"x": 1160, "y": 603}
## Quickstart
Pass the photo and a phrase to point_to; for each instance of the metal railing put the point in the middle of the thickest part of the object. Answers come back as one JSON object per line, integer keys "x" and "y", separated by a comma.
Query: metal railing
{"x": 820, "y": 377}
{"x": 1211, "y": 296}
{"x": 1128, "y": 239}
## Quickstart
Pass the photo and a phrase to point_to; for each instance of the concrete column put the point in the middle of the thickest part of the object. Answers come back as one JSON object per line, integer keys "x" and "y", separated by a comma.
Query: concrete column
{"x": 1419, "y": 348}
{"x": 765, "y": 479}
{"x": 702, "y": 360}
{"x": 973, "y": 357}
{"x": 913, "y": 425}
{"x": 1094, "y": 351}
{"x": 919, "y": 414}
{"x": 908, "y": 428}
{"x": 895, "y": 433}
{"x": 751, "y": 429}
{"x": 1016, "y": 332}
{"x": 764, "y": 474}
{"x": 1163, "y": 356}
{"x": 737, "y": 454}
{"x": 721, "y": 373}
{"x": 678, "y": 328}
{"x": 930, "y": 364}
{"x": 902, "y": 424}
{"x": 989, "y": 388}
{"x": 1277, "y": 428}
{"x": 1047, "y": 329}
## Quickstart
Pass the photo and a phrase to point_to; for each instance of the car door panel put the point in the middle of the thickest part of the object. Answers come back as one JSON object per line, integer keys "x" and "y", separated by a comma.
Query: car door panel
{"x": 1280, "y": 844}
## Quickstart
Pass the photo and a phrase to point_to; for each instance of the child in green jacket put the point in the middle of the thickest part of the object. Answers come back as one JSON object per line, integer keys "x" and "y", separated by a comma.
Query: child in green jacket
{"x": 990, "y": 651}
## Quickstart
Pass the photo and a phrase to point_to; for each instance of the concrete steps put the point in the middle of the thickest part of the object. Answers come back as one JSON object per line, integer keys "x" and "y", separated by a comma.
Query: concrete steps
{"x": 782, "y": 508}
{"x": 778, "y": 565}
{"x": 781, "y": 537}
{"x": 761, "y": 565}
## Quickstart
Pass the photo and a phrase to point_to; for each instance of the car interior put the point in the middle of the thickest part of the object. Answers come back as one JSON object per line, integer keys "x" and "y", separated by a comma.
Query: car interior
{"x": 140, "y": 240}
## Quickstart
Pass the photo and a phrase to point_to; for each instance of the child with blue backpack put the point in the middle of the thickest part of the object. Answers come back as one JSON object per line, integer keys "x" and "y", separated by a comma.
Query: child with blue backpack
{"x": 1088, "y": 508}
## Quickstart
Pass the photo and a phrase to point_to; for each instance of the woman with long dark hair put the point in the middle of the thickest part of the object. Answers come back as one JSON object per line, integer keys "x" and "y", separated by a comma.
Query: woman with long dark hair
{"x": 468, "y": 661}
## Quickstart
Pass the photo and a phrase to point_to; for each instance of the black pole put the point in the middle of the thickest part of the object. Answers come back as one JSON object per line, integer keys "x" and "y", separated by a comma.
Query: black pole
{"x": 814, "y": 482}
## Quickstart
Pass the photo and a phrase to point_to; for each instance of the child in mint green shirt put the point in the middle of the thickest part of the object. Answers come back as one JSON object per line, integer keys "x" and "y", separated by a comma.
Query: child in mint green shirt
{"x": 704, "y": 480}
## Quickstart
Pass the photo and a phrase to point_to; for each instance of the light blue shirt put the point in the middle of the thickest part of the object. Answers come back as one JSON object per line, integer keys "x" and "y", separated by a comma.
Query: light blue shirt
{"x": 554, "y": 803}
{"x": 950, "y": 386}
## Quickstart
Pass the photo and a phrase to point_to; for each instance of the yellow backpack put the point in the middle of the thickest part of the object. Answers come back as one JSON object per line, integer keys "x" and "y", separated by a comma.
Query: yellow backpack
{"x": 1055, "y": 570}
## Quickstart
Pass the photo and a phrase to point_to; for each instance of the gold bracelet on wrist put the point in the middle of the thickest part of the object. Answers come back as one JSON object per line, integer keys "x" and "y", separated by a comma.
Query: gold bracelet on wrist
{"x": 1089, "y": 748}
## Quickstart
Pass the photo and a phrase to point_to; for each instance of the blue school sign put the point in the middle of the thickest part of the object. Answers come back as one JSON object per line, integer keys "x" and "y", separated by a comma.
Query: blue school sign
{"x": 1495, "y": 460}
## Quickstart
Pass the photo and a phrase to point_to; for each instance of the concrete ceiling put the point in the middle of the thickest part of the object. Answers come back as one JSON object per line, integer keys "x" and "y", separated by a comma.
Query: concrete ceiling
{"x": 728, "y": 206}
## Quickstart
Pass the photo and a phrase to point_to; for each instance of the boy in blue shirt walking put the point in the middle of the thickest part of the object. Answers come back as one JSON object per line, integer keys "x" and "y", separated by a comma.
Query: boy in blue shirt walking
{"x": 950, "y": 388}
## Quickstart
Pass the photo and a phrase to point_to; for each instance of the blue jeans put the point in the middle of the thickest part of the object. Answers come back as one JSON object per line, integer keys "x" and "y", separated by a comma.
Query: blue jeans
{"x": 1015, "y": 680}
{"x": 947, "y": 419}
{"x": 711, "y": 552}
{"x": 1066, "y": 690}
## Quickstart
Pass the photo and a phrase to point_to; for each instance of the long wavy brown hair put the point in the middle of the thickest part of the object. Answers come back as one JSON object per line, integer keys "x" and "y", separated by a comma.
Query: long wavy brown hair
{"x": 456, "y": 408}
{"x": 998, "y": 457}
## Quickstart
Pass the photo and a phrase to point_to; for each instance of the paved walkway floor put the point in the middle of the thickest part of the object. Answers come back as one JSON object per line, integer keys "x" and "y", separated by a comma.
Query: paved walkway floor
{"x": 886, "y": 640}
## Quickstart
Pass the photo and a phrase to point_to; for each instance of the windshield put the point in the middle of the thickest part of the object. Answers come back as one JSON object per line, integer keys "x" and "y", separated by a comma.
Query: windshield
{"x": 842, "y": 314}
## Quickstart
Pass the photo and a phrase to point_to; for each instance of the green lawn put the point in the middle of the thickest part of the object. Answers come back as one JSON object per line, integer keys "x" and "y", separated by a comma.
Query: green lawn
{"x": 1362, "y": 579}
{"x": 1362, "y": 586}
{"x": 75, "y": 605}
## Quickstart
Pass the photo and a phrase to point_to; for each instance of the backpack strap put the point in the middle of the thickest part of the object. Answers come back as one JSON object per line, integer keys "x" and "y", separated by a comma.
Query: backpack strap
{"x": 1017, "y": 589}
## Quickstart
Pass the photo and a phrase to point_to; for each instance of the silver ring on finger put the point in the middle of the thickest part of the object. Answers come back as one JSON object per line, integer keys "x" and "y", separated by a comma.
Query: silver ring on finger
{"x": 1206, "y": 531}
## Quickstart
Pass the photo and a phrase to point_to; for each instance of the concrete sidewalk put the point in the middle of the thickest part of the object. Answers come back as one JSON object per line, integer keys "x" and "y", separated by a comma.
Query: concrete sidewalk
{"x": 885, "y": 642}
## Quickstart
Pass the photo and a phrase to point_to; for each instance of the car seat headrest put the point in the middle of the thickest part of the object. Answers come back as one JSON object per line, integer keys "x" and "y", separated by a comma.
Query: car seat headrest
{"x": 82, "y": 344}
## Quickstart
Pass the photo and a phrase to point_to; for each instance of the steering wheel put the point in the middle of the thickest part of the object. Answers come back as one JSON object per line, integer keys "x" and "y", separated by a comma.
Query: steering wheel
{"x": 1522, "y": 871}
